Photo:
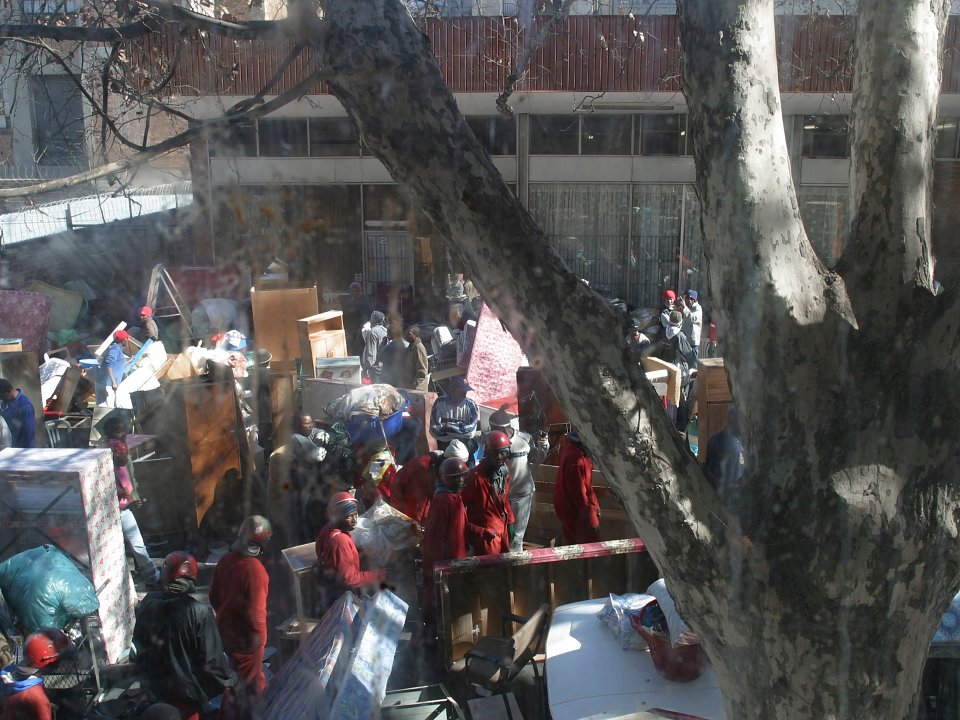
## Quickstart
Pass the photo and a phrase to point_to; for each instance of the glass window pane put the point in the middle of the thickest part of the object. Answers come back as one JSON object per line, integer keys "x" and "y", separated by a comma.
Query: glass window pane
{"x": 554, "y": 134}
{"x": 824, "y": 213}
{"x": 498, "y": 135}
{"x": 58, "y": 121}
{"x": 605, "y": 134}
{"x": 826, "y": 136}
{"x": 236, "y": 141}
{"x": 946, "y": 146}
{"x": 663, "y": 134}
{"x": 333, "y": 137}
{"x": 285, "y": 137}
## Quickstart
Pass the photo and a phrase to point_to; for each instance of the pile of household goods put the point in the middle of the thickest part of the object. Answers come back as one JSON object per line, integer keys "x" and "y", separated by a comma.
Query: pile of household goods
{"x": 650, "y": 620}
{"x": 369, "y": 412}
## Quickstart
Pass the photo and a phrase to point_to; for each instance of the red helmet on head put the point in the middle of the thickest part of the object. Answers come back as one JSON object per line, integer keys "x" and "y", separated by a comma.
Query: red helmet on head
{"x": 43, "y": 647}
{"x": 255, "y": 533}
{"x": 496, "y": 441}
{"x": 453, "y": 467}
{"x": 178, "y": 564}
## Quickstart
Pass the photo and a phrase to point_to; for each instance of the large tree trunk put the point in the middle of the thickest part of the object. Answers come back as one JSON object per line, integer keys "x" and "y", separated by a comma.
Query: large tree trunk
{"x": 818, "y": 594}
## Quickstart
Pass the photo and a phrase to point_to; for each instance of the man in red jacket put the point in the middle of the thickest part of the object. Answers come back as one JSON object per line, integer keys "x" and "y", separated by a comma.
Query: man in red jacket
{"x": 411, "y": 489}
{"x": 21, "y": 691}
{"x": 338, "y": 562}
{"x": 486, "y": 498}
{"x": 573, "y": 497}
{"x": 238, "y": 592}
{"x": 444, "y": 537}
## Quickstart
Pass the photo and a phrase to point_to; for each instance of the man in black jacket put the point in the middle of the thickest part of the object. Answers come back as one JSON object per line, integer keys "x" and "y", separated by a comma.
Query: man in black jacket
{"x": 179, "y": 651}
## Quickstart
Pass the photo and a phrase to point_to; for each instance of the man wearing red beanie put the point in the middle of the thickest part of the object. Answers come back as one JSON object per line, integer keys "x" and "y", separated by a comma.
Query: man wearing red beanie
{"x": 150, "y": 331}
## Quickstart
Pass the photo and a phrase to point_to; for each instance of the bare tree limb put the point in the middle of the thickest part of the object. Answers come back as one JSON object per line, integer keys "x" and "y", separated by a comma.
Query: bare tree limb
{"x": 523, "y": 60}
{"x": 177, "y": 141}
{"x": 153, "y": 21}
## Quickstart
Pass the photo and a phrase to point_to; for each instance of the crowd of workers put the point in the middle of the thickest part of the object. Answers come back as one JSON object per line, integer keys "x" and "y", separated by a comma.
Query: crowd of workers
{"x": 473, "y": 495}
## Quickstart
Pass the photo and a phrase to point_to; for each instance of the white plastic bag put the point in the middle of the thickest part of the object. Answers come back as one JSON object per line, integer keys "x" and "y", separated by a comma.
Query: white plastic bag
{"x": 616, "y": 614}
{"x": 384, "y": 533}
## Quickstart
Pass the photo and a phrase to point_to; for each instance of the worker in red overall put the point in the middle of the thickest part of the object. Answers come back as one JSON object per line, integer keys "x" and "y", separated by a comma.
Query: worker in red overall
{"x": 412, "y": 488}
{"x": 486, "y": 498}
{"x": 338, "y": 561}
{"x": 444, "y": 536}
{"x": 573, "y": 496}
{"x": 238, "y": 593}
{"x": 21, "y": 691}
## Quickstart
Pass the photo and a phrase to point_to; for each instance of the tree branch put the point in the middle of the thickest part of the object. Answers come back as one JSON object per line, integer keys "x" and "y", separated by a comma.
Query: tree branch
{"x": 429, "y": 150}
{"x": 523, "y": 60}
{"x": 152, "y": 21}
{"x": 177, "y": 141}
{"x": 888, "y": 253}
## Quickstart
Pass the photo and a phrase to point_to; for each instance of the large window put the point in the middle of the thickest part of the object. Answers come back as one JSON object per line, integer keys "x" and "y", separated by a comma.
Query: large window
{"x": 333, "y": 137}
{"x": 605, "y": 134}
{"x": 824, "y": 212}
{"x": 826, "y": 136}
{"x": 283, "y": 137}
{"x": 57, "y": 121}
{"x": 554, "y": 134}
{"x": 947, "y": 138}
{"x": 662, "y": 134}
{"x": 498, "y": 135}
{"x": 238, "y": 140}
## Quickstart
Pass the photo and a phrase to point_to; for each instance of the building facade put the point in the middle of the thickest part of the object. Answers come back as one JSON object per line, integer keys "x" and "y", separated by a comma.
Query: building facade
{"x": 597, "y": 149}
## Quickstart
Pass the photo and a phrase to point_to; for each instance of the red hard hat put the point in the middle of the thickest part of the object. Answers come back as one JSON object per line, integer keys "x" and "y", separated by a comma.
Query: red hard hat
{"x": 255, "y": 533}
{"x": 452, "y": 467}
{"x": 44, "y": 647}
{"x": 496, "y": 441}
{"x": 178, "y": 564}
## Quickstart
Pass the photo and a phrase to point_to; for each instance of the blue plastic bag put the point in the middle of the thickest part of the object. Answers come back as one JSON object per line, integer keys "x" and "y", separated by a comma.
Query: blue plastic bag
{"x": 45, "y": 589}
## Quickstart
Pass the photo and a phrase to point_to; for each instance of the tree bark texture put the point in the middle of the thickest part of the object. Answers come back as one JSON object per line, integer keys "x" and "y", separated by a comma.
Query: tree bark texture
{"x": 815, "y": 592}
{"x": 815, "y": 596}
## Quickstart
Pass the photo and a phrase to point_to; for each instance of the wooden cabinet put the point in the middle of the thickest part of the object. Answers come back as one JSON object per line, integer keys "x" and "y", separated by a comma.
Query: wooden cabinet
{"x": 321, "y": 336}
{"x": 204, "y": 435}
{"x": 275, "y": 315}
{"x": 713, "y": 401}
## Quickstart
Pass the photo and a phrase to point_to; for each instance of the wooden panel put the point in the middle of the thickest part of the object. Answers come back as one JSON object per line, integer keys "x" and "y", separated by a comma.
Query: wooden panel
{"x": 283, "y": 399}
{"x": 212, "y": 433}
{"x": 474, "y": 594}
{"x": 713, "y": 400}
{"x": 674, "y": 379}
{"x": 23, "y": 372}
{"x": 275, "y": 316}
{"x": 628, "y": 53}
{"x": 712, "y": 385}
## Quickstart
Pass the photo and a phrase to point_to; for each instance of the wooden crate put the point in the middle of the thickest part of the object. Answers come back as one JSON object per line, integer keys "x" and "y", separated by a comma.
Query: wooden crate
{"x": 321, "y": 336}
{"x": 474, "y": 594}
{"x": 713, "y": 401}
{"x": 275, "y": 315}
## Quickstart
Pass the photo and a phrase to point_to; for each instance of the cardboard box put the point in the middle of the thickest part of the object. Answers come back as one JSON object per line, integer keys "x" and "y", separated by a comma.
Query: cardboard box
{"x": 68, "y": 498}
